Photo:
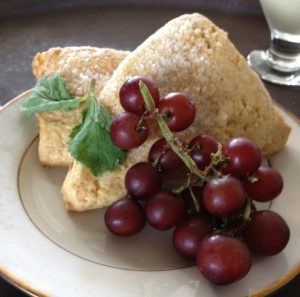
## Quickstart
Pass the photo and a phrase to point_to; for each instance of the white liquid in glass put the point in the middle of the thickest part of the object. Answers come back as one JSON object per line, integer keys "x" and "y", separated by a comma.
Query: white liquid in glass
{"x": 282, "y": 15}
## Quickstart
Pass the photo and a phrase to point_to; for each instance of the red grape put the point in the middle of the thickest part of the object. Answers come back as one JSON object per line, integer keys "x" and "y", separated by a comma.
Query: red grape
{"x": 125, "y": 217}
{"x": 178, "y": 110}
{"x": 167, "y": 159}
{"x": 187, "y": 235}
{"x": 266, "y": 233}
{"x": 268, "y": 185}
{"x": 124, "y": 131}
{"x": 142, "y": 181}
{"x": 164, "y": 210}
{"x": 224, "y": 196}
{"x": 131, "y": 98}
{"x": 223, "y": 260}
{"x": 244, "y": 157}
{"x": 203, "y": 146}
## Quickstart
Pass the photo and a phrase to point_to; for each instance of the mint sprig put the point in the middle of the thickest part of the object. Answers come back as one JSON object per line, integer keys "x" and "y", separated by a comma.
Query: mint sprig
{"x": 49, "y": 94}
{"x": 90, "y": 142}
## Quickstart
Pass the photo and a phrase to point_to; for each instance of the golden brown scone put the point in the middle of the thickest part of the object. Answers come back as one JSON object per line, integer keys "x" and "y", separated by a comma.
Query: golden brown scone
{"x": 190, "y": 55}
{"x": 77, "y": 65}
{"x": 54, "y": 130}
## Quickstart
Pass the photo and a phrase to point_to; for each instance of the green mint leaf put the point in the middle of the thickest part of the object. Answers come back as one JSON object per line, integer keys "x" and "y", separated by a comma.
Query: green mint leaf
{"x": 90, "y": 142}
{"x": 77, "y": 128}
{"x": 49, "y": 94}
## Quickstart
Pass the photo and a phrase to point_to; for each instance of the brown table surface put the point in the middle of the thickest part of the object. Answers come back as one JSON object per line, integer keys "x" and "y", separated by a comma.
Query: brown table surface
{"x": 30, "y": 26}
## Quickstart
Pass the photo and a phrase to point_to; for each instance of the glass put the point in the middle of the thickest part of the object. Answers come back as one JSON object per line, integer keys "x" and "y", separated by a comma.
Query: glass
{"x": 280, "y": 63}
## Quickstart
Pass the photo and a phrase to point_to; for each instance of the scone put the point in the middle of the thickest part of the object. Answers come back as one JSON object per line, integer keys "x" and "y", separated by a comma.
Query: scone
{"x": 190, "y": 55}
{"x": 77, "y": 65}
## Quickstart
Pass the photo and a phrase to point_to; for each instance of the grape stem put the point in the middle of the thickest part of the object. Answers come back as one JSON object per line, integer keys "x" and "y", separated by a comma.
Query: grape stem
{"x": 196, "y": 204}
{"x": 140, "y": 126}
{"x": 246, "y": 217}
{"x": 217, "y": 159}
{"x": 168, "y": 135}
{"x": 247, "y": 212}
{"x": 187, "y": 184}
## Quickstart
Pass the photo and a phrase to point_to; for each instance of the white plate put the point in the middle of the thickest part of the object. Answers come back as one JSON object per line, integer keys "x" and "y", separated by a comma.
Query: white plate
{"x": 48, "y": 251}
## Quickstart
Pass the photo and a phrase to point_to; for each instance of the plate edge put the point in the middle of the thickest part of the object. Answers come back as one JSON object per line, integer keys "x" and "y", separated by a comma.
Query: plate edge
{"x": 21, "y": 284}
{"x": 4, "y": 273}
{"x": 288, "y": 112}
{"x": 277, "y": 284}
{"x": 8, "y": 103}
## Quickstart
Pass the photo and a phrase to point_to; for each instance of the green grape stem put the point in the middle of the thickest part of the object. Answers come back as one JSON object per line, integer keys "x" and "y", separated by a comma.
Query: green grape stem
{"x": 168, "y": 135}
{"x": 246, "y": 216}
{"x": 196, "y": 204}
{"x": 247, "y": 212}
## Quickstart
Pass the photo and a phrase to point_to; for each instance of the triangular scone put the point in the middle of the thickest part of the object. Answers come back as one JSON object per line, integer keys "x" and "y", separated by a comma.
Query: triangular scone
{"x": 190, "y": 55}
{"x": 77, "y": 65}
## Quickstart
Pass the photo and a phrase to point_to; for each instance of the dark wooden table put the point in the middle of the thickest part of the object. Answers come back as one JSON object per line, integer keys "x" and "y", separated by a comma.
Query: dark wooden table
{"x": 30, "y": 26}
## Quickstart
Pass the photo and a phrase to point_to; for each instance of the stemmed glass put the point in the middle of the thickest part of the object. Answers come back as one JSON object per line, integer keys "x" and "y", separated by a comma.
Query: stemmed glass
{"x": 280, "y": 63}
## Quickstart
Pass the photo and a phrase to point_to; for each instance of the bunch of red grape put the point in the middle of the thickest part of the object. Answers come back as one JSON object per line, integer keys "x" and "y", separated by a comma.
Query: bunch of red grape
{"x": 211, "y": 211}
